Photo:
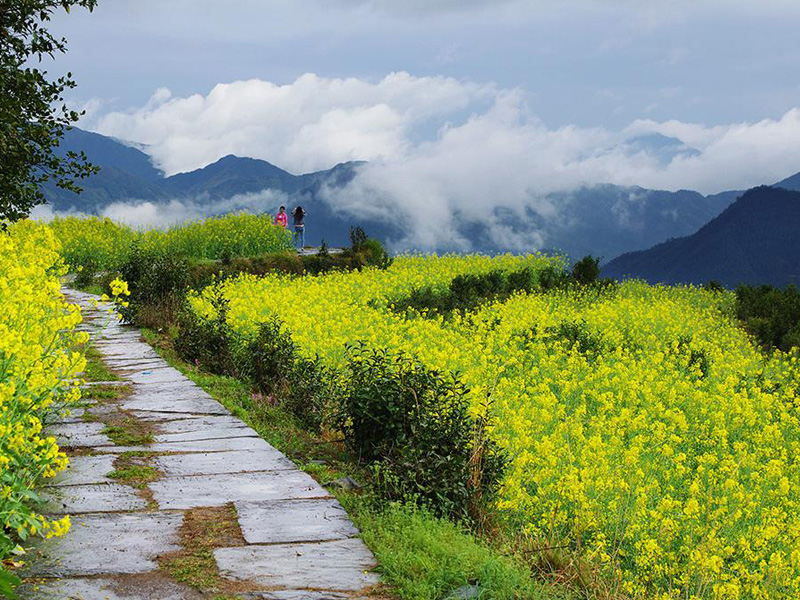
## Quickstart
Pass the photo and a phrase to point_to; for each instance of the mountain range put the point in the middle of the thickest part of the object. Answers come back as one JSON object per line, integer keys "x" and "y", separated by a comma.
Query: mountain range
{"x": 755, "y": 240}
{"x": 603, "y": 220}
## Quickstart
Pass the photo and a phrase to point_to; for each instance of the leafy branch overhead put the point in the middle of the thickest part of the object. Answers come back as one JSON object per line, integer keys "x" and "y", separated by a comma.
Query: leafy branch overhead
{"x": 33, "y": 113}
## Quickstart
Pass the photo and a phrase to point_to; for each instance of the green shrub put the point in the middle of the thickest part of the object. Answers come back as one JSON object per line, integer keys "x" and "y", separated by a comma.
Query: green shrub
{"x": 86, "y": 273}
{"x": 586, "y": 271}
{"x": 552, "y": 278}
{"x": 157, "y": 283}
{"x": 697, "y": 360}
{"x": 270, "y": 361}
{"x": 358, "y": 238}
{"x": 577, "y": 334}
{"x": 467, "y": 292}
{"x": 207, "y": 343}
{"x": 413, "y": 425}
{"x": 771, "y": 315}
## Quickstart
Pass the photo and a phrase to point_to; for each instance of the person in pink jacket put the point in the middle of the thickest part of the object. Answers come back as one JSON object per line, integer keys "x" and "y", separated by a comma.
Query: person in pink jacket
{"x": 281, "y": 218}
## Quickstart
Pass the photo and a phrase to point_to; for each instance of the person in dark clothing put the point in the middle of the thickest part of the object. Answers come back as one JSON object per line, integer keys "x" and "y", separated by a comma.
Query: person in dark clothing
{"x": 298, "y": 214}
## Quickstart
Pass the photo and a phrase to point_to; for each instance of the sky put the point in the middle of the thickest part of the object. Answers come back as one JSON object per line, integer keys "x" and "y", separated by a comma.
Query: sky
{"x": 473, "y": 103}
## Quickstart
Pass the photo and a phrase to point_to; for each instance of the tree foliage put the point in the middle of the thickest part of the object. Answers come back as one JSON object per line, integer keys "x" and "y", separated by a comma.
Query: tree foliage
{"x": 33, "y": 115}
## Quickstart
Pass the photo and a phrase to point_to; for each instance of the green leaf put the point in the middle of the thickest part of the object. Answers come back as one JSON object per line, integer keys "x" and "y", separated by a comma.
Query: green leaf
{"x": 8, "y": 582}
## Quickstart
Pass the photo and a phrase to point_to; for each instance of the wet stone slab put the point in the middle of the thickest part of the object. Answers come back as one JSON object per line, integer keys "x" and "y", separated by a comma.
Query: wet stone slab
{"x": 289, "y": 521}
{"x": 216, "y": 490}
{"x": 212, "y": 445}
{"x": 182, "y": 398}
{"x": 126, "y": 364}
{"x": 131, "y": 352}
{"x": 211, "y": 433}
{"x": 208, "y": 463}
{"x": 104, "y": 544}
{"x": 84, "y": 470}
{"x": 103, "y": 497}
{"x": 159, "y": 375}
{"x": 77, "y": 434}
{"x": 297, "y": 595}
{"x": 341, "y": 566}
{"x": 203, "y": 428}
{"x": 126, "y": 587}
{"x": 202, "y": 423}
{"x": 162, "y": 417}
{"x": 98, "y": 450}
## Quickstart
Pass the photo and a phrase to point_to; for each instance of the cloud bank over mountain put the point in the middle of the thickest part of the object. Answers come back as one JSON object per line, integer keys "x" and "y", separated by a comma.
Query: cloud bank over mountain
{"x": 477, "y": 136}
{"x": 441, "y": 149}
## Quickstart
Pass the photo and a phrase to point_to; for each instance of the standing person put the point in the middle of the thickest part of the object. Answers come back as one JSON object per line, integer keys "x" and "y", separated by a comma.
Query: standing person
{"x": 298, "y": 214}
{"x": 281, "y": 218}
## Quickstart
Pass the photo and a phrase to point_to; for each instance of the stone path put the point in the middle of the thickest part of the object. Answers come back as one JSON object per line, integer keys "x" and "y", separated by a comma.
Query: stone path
{"x": 295, "y": 540}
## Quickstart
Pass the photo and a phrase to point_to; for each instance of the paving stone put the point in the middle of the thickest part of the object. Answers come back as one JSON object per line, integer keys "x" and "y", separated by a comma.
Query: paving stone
{"x": 342, "y": 565}
{"x": 112, "y": 449}
{"x": 126, "y": 587}
{"x": 213, "y": 445}
{"x": 163, "y": 417}
{"x": 202, "y": 423}
{"x": 157, "y": 375}
{"x": 75, "y": 435}
{"x": 182, "y": 398}
{"x": 124, "y": 348}
{"x": 179, "y": 465}
{"x": 124, "y": 364}
{"x": 216, "y": 490}
{"x": 128, "y": 351}
{"x": 86, "y": 469}
{"x": 297, "y": 595}
{"x": 211, "y": 433}
{"x": 103, "y": 544}
{"x": 287, "y": 521}
{"x": 203, "y": 428}
{"x": 104, "y": 497}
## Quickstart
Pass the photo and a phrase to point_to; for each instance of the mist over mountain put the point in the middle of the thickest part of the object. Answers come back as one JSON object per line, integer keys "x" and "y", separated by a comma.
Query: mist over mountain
{"x": 603, "y": 220}
{"x": 755, "y": 240}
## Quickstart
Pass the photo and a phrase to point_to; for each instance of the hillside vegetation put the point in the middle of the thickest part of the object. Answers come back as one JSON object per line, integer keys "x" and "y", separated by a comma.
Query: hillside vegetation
{"x": 754, "y": 241}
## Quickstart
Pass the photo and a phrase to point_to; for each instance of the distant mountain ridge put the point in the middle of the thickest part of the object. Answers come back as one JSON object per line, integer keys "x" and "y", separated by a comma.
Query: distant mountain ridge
{"x": 755, "y": 240}
{"x": 603, "y": 220}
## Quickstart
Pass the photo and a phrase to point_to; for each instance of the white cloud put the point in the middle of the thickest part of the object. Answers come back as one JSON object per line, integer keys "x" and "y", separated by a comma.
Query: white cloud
{"x": 441, "y": 149}
{"x": 309, "y": 124}
{"x": 147, "y": 215}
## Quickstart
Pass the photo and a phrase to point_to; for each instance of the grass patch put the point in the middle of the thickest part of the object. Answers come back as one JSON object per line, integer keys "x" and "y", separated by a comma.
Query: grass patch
{"x": 135, "y": 475}
{"x": 203, "y": 530}
{"x": 427, "y": 558}
{"x": 96, "y": 370}
{"x": 91, "y": 288}
{"x": 128, "y": 432}
{"x": 106, "y": 393}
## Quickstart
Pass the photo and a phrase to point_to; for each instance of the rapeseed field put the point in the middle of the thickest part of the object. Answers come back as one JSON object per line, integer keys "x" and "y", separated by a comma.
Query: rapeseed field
{"x": 646, "y": 432}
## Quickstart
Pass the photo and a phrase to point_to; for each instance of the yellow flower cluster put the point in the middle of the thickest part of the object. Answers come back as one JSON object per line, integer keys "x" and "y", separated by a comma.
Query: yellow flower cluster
{"x": 657, "y": 441}
{"x": 92, "y": 242}
{"x": 102, "y": 244}
{"x": 39, "y": 364}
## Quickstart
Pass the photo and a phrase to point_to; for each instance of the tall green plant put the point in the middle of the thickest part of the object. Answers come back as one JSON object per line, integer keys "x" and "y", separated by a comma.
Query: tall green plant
{"x": 33, "y": 116}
